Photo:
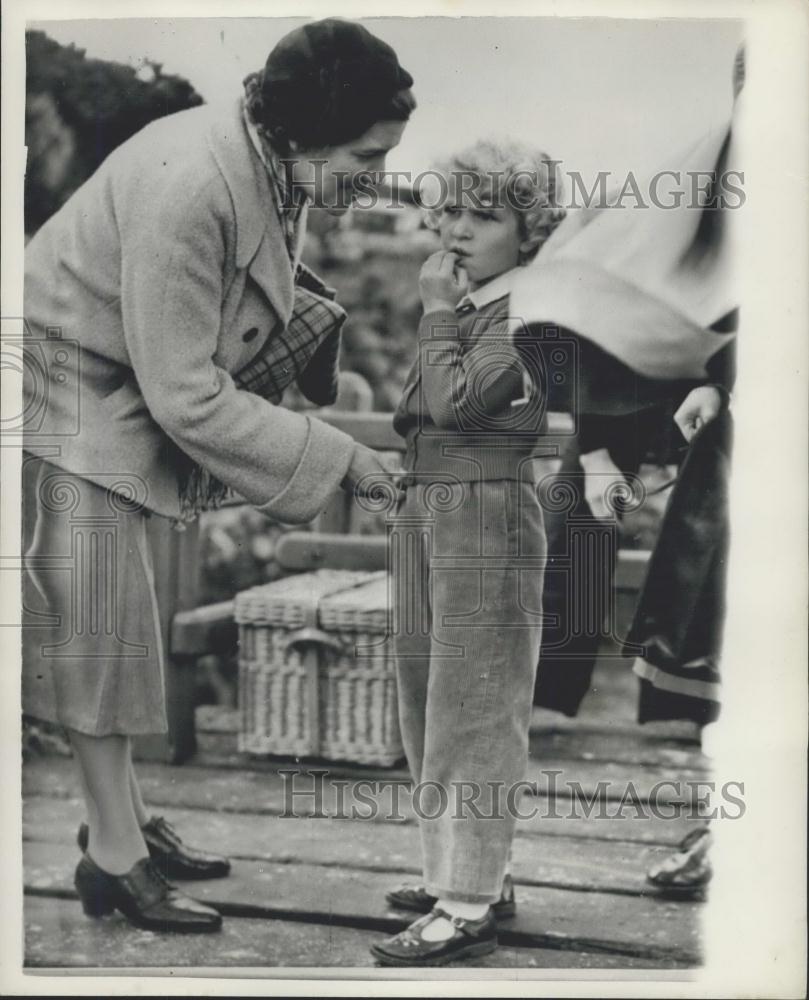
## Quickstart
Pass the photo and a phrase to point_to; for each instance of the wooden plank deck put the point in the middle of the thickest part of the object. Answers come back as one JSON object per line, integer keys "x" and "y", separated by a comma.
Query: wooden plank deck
{"x": 587, "y": 864}
{"x": 309, "y": 891}
{"x": 247, "y": 943}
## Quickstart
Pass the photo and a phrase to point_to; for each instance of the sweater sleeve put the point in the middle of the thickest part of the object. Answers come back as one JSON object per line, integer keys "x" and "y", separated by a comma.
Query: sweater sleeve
{"x": 465, "y": 389}
{"x": 287, "y": 464}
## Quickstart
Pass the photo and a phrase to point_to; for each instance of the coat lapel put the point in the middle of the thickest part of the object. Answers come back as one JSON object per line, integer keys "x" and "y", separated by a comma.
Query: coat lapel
{"x": 271, "y": 271}
{"x": 260, "y": 245}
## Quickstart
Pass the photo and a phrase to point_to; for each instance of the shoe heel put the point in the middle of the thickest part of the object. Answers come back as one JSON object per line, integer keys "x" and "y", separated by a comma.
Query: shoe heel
{"x": 93, "y": 896}
{"x": 95, "y": 906}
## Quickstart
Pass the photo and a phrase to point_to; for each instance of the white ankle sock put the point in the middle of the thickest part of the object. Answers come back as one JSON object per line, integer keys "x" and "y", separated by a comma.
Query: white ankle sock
{"x": 467, "y": 911}
{"x": 441, "y": 929}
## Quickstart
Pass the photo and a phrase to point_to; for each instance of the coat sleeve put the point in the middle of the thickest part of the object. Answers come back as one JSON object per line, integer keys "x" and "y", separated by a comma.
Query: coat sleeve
{"x": 285, "y": 463}
{"x": 464, "y": 389}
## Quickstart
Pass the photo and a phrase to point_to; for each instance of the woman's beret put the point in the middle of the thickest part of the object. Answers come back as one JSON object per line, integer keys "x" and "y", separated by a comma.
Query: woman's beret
{"x": 328, "y": 82}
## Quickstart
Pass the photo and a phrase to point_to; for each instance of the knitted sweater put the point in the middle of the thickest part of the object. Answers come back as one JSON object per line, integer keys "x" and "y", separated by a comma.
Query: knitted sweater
{"x": 464, "y": 413}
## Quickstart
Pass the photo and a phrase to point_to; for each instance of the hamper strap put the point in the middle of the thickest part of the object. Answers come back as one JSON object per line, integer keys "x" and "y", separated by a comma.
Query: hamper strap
{"x": 313, "y": 637}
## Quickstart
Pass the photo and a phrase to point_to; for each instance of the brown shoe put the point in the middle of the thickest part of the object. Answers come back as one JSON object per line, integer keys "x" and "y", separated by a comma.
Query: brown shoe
{"x": 144, "y": 897}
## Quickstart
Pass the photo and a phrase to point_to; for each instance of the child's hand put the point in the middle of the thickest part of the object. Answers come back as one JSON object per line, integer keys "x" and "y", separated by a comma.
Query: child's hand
{"x": 441, "y": 284}
{"x": 700, "y": 407}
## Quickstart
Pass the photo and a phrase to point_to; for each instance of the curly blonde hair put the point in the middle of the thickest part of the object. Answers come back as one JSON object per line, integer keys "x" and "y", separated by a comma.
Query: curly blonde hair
{"x": 513, "y": 173}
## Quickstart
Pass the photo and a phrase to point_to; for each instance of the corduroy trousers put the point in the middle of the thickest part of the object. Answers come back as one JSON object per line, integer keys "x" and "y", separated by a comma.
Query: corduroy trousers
{"x": 468, "y": 564}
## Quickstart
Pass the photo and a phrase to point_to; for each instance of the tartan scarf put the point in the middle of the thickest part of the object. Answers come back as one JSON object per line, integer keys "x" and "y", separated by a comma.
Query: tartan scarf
{"x": 307, "y": 351}
{"x": 292, "y": 205}
{"x": 312, "y": 335}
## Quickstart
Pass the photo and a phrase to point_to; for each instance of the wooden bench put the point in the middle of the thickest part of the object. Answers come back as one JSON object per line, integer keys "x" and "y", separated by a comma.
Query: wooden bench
{"x": 191, "y": 632}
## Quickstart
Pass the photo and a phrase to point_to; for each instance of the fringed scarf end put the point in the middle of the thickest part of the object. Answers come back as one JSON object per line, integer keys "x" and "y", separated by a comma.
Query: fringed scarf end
{"x": 200, "y": 491}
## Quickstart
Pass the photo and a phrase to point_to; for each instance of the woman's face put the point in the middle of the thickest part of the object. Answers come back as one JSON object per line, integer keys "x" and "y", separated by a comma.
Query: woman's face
{"x": 328, "y": 175}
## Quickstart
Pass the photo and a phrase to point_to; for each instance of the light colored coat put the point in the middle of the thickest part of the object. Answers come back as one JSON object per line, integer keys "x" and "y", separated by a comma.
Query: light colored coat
{"x": 163, "y": 275}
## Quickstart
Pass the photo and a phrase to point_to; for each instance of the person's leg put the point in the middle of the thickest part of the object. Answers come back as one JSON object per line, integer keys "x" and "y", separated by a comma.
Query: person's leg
{"x": 141, "y": 814}
{"x": 94, "y": 658}
{"x": 90, "y": 807}
{"x": 115, "y": 839}
{"x": 116, "y": 871}
{"x": 411, "y": 637}
{"x": 484, "y": 647}
{"x": 479, "y": 702}
{"x": 95, "y": 668}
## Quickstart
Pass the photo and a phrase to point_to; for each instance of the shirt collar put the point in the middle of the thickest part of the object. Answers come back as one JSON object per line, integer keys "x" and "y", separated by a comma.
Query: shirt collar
{"x": 492, "y": 290}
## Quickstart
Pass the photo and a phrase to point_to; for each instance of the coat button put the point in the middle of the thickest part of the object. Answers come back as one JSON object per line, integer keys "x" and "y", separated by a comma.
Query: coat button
{"x": 251, "y": 334}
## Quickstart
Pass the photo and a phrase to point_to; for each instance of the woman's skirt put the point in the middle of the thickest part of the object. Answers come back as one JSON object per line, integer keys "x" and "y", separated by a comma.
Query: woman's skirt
{"x": 91, "y": 640}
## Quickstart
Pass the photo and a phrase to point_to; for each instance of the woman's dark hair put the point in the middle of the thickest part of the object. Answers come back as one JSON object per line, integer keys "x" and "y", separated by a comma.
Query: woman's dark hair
{"x": 327, "y": 83}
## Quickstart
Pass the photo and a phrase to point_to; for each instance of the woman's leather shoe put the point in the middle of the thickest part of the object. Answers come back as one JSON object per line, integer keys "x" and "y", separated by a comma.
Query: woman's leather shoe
{"x": 174, "y": 858}
{"x": 470, "y": 939}
{"x": 144, "y": 897}
{"x": 416, "y": 899}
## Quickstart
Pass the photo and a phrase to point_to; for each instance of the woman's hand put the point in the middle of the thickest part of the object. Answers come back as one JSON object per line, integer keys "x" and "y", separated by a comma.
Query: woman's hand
{"x": 700, "y": 407}
{"x": 370, "y": 473}
{"x": 601, "y": 476}
{"x": 442, "y": 285}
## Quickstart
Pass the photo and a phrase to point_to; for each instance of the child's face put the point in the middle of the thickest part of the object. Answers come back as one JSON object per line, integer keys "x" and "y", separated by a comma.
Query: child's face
{"x": 486, "y": 239}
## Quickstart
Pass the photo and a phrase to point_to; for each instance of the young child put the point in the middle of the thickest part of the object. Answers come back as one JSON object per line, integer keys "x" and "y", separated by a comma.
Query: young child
{"x": 467, "y": 553}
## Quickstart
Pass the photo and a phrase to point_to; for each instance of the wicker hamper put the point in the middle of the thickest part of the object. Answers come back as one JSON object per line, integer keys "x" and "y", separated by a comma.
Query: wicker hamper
{"x": 316, "y": 676}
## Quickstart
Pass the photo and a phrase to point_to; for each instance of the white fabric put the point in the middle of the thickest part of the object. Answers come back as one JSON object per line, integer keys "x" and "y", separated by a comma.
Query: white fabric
{"x": 642, "y": 283}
